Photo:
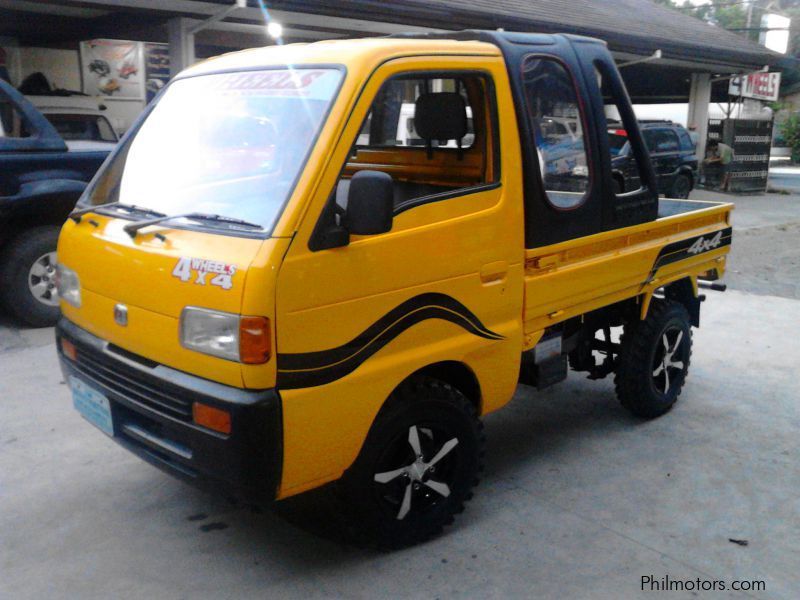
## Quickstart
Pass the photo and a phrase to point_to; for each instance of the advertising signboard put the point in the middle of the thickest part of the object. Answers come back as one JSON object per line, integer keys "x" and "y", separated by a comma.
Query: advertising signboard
{"x": 112, "y": 68}
{"x": 761, "y": 86}
{"x": 156, "y": 68}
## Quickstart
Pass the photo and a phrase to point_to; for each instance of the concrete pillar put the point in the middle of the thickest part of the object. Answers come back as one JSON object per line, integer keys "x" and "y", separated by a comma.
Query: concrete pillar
{"x": 181, "y": 45}
{"x": 699, "y": 100}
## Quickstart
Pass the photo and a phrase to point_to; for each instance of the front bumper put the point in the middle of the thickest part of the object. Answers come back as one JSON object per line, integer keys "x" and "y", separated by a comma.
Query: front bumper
{"x": 151, "y": 408}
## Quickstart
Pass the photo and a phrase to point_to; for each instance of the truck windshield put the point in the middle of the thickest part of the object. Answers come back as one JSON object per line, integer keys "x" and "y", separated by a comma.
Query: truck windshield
{"x": 230, "y": 144}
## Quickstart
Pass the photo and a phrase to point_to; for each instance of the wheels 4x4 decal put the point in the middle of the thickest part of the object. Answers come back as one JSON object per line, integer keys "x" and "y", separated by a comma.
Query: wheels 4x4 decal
{"x": 186, "y": 268}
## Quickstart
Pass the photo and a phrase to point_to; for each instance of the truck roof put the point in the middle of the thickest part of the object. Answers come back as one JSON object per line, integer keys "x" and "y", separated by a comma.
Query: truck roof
{"x": 345, "y": 52}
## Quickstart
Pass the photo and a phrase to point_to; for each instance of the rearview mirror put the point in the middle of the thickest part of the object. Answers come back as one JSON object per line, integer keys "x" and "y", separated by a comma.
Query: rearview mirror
{"x": 370, "y": 203}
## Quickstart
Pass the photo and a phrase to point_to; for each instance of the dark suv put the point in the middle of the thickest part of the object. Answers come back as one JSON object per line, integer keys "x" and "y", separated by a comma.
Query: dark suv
{"x": 671, "y": 151}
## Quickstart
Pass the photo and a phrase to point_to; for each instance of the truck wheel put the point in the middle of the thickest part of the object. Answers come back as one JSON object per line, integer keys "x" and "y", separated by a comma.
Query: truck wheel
{"x": 27, "y": 272}
{"x": 417, "y": 468}
{"x": 681, "y": 187}
{"x": 654, "y": 360}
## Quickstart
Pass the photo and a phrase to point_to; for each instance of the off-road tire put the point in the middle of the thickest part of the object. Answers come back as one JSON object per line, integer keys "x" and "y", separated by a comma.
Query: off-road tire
{"x": 17, "y": 258}
{"x": 641, "y": 343}
{"x": 430, "y": 405}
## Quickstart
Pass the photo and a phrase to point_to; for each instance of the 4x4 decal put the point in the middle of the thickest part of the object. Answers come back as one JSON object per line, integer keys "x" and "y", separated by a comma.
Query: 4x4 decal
{"x": 309, "y": 369}
{"x": 691, "y": 247}
{"x": 704, "y": 245}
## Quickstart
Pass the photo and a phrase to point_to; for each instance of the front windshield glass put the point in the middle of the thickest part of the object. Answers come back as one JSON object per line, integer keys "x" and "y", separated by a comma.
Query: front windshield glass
{"x": 231, "y": 144}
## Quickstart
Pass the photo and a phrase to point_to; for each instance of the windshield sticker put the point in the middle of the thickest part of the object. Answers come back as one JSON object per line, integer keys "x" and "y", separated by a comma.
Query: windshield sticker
{"x": 198, "y": 270}
{"x": 314, "y": 84}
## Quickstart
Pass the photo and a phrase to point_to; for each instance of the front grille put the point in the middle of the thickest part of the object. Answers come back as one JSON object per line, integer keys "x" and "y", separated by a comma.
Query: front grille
{"x": 130, "y": 384}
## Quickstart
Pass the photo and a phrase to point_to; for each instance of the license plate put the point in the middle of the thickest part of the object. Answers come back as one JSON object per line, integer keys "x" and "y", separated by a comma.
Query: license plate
{"x": 92, "y": 405}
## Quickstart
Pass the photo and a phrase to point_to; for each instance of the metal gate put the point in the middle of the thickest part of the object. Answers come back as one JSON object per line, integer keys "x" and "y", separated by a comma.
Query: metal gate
{"x": 751, "y": 141}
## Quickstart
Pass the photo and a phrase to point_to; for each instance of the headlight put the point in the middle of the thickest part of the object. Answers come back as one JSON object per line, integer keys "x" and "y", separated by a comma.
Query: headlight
{"x": 228, "y": 336}
{"x": 68, "y": 285}
{"x": 210, "y": 332}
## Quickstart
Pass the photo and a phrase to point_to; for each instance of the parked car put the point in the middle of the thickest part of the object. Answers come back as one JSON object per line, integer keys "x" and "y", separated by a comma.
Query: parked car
{"x": 42, "y": 175}
{"x": 672, "y": 154}
{"x": 79, "y": 120}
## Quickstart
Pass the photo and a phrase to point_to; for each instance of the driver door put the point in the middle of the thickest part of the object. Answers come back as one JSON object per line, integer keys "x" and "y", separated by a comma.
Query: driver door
{"x": 444, "y": 284}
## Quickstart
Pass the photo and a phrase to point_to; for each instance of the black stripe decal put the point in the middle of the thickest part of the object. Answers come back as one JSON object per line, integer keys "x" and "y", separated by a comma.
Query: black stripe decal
{"x": 691, "y": 247}
{"x": 309, "y": 369}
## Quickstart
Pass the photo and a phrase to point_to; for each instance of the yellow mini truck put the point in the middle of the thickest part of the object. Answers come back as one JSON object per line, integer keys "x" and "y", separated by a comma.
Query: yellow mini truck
{"x": 326, "y": 262}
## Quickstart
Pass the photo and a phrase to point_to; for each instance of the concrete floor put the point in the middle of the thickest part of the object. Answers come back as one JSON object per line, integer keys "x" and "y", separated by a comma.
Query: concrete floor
{"x": 579, "y": 500}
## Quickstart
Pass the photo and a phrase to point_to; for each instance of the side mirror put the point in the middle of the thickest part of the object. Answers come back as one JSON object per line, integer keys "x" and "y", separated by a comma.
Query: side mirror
{"x": 370, "y": 203}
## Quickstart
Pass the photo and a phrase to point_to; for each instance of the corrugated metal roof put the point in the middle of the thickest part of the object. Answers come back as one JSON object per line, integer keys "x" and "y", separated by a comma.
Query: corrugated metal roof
{"x": 636, "y": 26}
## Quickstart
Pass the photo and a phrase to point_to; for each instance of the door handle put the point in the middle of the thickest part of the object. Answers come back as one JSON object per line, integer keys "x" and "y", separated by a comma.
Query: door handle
{"x": 494, "y": 271}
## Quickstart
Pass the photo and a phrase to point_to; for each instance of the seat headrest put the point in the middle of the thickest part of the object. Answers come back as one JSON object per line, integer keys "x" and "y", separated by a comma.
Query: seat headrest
{"x": 441, "y": 116}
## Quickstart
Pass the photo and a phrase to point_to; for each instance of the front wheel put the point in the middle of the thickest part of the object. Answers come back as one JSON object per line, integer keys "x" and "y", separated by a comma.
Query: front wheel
{"x": 654, "y": 360}
{"x": 28, "y": 274}
{"x": 417, "y": 467}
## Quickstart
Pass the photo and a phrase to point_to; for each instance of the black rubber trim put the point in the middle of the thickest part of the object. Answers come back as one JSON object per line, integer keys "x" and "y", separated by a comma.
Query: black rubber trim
{"x": 246, "y": 463}
{"x": 415, "y": 202}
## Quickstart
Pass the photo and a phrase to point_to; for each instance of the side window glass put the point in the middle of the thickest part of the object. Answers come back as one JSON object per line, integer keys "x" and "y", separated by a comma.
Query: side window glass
{"x": 686, "y": 141}
{"x": 434, "y": 134}
{"x": 665, "y": 141}
{"x": 651, "y": 139}
{"x": 555, "y": 116}
{"x": 670, "y": 141}
{"x": 393, "y": 119}
{"x": 12, "y": 123}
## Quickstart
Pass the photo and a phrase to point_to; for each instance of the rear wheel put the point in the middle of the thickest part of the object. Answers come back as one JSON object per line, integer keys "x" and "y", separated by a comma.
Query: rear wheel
{"x": 681, "y": 187}
{"x": 654, "y": 360}
{"x": 28, "y": 275}
{"x": 417, "y": 467}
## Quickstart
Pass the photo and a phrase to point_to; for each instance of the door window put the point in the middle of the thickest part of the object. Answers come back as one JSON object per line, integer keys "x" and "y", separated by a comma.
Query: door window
{"x": 557, "y": 124}
{"x": 392, "y": 119}
{"x": 435, "y": 134}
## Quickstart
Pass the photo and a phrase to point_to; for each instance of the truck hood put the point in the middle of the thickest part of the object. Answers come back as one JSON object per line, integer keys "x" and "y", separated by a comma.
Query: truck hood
{"x": 161, "y": 276}
{"x": 156, "y": 279}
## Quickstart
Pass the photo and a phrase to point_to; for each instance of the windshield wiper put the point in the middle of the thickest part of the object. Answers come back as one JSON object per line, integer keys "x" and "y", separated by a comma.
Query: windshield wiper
{"x": 76, "y": 215}
{"x": 132, "y": 228}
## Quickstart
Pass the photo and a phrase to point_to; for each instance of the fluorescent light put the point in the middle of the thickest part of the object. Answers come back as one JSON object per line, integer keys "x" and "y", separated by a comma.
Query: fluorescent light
{"x": 274, "y": 29}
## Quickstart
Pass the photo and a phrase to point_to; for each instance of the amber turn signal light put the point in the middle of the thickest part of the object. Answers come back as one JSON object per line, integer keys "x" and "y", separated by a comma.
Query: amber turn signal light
{"x": 69, "y": 350}
{"x": 212, "y": 418}
{"x": 254, "y": 340}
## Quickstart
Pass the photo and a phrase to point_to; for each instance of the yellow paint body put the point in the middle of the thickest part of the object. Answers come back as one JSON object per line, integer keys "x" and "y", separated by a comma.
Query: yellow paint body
{"x": 470, "y": 250}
